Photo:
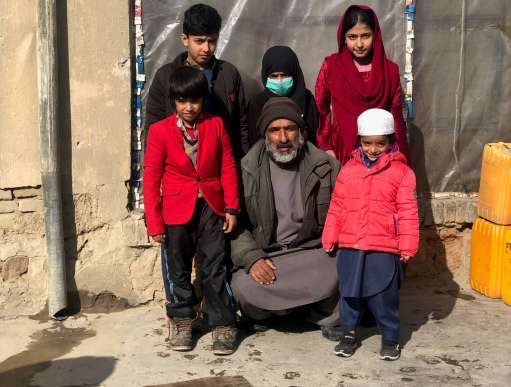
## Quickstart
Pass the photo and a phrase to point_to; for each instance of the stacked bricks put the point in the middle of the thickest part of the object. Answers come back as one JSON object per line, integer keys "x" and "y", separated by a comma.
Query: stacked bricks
{"x": 447, "y": 209}
{"x": 22, "y": 199}
{"x": 20, "y": 230}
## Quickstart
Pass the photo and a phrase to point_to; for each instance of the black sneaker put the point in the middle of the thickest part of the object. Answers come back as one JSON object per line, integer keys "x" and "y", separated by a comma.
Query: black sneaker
{"x": 332, "y": 333}
{"x": 260, "y": 326}
{"x": 347, "y": 345}
{"x": 224, "y": 339}
{"x": 390, "y": 350}
{"x": 257, "y": 326}
{"x": 181, "y": 339}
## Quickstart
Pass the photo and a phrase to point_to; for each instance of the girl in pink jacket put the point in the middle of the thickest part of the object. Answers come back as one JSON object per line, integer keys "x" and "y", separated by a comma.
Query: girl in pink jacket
{"x": 373, "y": 219}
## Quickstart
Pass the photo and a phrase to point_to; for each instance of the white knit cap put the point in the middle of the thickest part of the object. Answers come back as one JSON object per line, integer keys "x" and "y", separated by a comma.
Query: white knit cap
{"x": 375, "y": 122}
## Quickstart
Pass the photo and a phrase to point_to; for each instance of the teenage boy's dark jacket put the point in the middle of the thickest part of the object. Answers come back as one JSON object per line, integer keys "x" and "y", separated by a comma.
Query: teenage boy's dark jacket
{"x": 228, "y": 99}
{"x": 318, "y": 173}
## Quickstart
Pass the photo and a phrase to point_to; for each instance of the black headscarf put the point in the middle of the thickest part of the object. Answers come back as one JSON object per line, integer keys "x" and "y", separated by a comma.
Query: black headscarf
{"x": 283, "y": 58}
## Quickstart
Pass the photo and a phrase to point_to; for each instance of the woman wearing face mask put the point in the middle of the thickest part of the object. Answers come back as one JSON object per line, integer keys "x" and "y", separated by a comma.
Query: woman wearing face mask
{"x": 357, "y": 78}
{"x": 282, "y": 76}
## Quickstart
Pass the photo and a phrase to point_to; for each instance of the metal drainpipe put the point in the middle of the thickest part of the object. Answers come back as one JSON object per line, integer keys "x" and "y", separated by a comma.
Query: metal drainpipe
{"x": 49, "y": 149}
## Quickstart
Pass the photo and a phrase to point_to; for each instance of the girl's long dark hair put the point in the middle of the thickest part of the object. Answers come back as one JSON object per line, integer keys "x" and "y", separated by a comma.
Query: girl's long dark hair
{"x": 354, "y": 15}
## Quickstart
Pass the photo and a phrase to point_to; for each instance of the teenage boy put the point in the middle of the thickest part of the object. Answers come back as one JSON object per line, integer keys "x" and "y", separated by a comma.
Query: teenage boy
{"x": 201, "y": 27}
{"x": 191, "y": 201}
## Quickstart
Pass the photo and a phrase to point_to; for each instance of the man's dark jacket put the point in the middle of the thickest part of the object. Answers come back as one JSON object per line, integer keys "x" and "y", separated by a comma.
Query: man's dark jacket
{"x": 255, "y": 235}
{"x": 228, "y": 99}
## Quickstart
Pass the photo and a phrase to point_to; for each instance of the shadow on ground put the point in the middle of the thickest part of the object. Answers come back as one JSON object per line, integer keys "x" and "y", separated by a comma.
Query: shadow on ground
{"x": 80, "y": 371}
{"x": 47, "y": 345}
{"x": 429, "y": 291}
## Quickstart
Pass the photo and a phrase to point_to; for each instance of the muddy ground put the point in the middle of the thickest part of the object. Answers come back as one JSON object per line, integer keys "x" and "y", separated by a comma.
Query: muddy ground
{"x": 451, "y": 337}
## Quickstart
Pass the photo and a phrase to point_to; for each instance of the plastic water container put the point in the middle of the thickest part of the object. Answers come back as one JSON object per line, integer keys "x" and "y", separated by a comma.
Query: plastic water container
{"x": 494, "y": 203}
{"x": 506, "y": 272}
{"x": 490, "y": 242}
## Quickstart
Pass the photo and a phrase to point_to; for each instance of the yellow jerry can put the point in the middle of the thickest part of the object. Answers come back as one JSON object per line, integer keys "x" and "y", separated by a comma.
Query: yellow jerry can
{"x": 489, "y": 244}
{"x": 494, "y": 203}
{"x": 506, "y": 273}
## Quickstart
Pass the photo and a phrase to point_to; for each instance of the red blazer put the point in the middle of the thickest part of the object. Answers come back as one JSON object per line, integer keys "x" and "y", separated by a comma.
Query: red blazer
{"x": 171, "y": 183}
{"x": 374, "y": 209}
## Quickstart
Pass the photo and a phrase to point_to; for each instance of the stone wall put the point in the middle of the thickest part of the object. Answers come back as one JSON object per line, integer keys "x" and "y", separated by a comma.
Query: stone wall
{"x": 22, "y": 254}
{"x": 445, "y": 236}
{"x": 115, "y": 257}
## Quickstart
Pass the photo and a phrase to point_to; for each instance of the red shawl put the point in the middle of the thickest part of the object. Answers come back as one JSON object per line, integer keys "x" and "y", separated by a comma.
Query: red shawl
{"x": 341, "y": 85}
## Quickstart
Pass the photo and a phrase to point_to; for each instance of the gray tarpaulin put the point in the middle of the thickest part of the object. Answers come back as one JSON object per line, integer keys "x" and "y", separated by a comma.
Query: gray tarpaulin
{"x": 462, "y": 89}
{"x": 462, "y": 73}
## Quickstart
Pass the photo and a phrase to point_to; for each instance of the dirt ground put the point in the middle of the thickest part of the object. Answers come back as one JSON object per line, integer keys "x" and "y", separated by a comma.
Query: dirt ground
{"x": 451, "y": 337}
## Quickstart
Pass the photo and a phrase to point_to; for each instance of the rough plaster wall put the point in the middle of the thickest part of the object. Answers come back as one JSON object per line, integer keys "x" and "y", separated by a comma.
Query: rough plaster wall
{"x": 99, "y": 73}
{"x": 22, "y": 254}
{"x": 22, "y": 248}
{"x": 19, "y": 134}
{"x": 107, "y": 248}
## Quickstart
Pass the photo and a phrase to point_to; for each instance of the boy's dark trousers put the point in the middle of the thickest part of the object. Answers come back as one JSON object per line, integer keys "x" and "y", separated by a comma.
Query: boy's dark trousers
{"x": 384, "y": 306}
{"x": 202, "y": 237}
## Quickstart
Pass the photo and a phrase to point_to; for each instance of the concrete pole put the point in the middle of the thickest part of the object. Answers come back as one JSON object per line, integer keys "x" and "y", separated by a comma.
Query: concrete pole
{"x": 49, "y": 149}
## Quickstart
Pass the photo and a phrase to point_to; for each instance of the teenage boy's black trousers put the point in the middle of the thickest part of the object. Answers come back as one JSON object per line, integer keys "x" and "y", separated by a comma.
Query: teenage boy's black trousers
{"x": 202, "y": 237}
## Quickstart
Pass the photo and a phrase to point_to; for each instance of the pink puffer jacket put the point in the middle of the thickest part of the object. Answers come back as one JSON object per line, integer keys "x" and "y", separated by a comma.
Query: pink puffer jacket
{"x": 374, "y": 209}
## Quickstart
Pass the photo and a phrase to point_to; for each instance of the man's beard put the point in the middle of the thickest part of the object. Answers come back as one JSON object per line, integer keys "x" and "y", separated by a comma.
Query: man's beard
{"x": 287, "y": 157}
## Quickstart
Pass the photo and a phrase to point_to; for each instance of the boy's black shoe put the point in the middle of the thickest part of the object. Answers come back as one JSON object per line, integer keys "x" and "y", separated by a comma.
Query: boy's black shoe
{"x": 258, "y": 326}
{"x": 347, "y": 345}
{"x": 332, "y": 333}
{"x": 390, "y": 350}
{"x": 224, "y": 339}
{"x": 181, "y": 339}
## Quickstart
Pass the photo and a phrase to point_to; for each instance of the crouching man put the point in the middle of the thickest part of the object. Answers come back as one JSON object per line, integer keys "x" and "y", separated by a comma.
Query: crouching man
{"x": 287, "y": 186}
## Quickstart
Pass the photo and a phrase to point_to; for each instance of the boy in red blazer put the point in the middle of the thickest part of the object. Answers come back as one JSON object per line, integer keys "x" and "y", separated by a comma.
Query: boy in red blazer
{"x": 191, "y": 201}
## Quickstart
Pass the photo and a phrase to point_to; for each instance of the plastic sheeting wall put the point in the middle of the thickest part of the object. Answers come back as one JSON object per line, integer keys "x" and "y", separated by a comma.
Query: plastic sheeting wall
{"x": 462, "y": 78}
{"x": 461, "y": 66}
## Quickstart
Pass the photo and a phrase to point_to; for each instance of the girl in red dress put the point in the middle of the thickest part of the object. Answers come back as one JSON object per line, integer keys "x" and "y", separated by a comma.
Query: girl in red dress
{"x": 356, "y": 78}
